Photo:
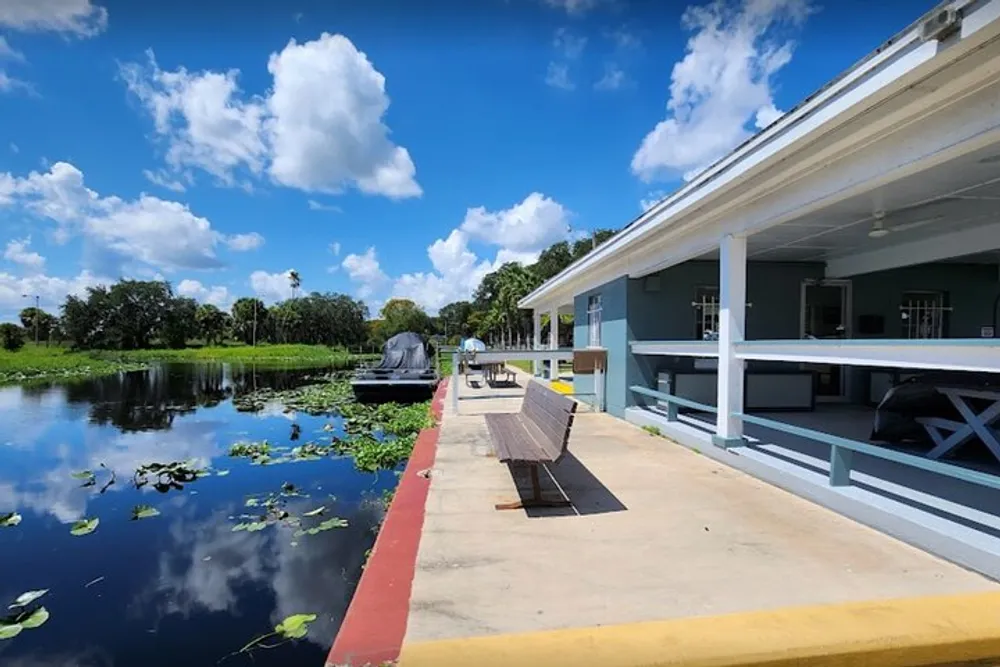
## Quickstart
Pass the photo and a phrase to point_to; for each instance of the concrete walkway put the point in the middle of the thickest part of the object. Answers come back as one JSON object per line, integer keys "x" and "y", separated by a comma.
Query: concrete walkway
{"x": 657, "y": 532}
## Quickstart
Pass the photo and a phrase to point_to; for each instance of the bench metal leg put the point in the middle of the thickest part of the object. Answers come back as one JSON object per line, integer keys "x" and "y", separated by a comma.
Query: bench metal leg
{"x": 536, "y": 499}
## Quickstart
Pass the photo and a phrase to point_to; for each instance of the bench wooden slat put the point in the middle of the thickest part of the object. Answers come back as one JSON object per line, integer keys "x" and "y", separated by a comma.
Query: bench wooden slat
{"x": 516, "y": 439}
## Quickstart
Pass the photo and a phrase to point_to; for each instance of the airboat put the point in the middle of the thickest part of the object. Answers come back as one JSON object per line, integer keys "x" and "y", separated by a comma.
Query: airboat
{"x": 404, "y": 375}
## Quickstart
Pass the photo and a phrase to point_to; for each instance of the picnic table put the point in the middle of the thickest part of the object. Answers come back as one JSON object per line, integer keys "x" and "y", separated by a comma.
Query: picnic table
{"x": 974, "y": 422}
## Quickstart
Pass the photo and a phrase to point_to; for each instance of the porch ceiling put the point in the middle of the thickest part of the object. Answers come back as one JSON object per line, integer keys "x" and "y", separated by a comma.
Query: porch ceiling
{"x": 959, "y": 196}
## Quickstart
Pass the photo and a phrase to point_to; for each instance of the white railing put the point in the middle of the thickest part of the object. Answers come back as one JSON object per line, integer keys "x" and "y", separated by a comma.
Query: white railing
{"x": 957, "y": 354}
{"x": 676, "y": 348}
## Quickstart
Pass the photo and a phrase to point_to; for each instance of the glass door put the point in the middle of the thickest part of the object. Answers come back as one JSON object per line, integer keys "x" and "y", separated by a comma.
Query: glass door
{"x": 825, "y": 315}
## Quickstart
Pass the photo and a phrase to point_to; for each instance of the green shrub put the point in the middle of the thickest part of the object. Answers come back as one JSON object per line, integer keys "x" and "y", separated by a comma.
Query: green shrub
{"x": 12, "y": 337}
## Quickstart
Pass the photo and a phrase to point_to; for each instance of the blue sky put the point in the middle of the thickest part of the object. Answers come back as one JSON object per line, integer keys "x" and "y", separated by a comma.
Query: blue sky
{"x": 378, "y": 149}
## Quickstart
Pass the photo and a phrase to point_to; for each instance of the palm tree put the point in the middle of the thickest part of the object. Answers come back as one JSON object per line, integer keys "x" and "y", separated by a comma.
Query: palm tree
{"x": 295, "y": 281}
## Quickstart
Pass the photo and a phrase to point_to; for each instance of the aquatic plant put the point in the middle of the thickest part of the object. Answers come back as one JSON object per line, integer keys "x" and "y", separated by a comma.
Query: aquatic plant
{"x": 84, "y": 526}
{"x": 9, "y": 520}
{"x": 274, "y": 511}
{"x": 257, "y": 452}
{"x": 380, "y": 436}
{"x": 144, "y": 512}
{"x": 293, "y": 627}
{"x": 24, "y": 599}
{"x": 166, "y": 476}
{"x": 26, "y": 619}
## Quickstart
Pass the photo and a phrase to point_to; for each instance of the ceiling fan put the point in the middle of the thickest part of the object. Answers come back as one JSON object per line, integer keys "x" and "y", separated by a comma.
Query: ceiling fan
{"x": 881, "y": 230}
{"x": 882, "y": 221}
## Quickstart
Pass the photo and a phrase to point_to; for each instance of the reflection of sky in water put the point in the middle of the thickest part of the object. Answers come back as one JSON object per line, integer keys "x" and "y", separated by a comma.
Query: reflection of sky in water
{"x": 181, "y": 587}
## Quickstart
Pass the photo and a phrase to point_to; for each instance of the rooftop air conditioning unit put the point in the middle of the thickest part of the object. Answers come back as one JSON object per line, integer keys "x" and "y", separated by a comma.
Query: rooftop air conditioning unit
{"x": 940, "y": 25}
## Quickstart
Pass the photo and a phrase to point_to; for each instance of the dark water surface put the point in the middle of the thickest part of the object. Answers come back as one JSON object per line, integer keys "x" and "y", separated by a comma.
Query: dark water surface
{"x": 181, "y": 588}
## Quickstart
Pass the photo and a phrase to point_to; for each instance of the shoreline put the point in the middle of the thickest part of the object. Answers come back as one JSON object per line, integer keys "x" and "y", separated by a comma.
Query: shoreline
{"x": 55, "y": 364}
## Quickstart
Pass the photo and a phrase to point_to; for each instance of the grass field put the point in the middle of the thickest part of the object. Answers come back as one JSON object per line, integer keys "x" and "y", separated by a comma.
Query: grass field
{"x": 48, "y": 363}
{"x": 261, "y": 353}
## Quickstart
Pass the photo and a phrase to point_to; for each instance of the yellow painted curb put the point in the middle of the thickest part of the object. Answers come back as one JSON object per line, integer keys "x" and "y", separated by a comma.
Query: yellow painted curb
{"x": 561, "y": 387}
{"x": 884, "y": 633}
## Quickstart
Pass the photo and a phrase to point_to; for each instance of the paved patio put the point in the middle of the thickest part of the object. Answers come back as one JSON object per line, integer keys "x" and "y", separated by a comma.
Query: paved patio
{"x": 656, "y": 532}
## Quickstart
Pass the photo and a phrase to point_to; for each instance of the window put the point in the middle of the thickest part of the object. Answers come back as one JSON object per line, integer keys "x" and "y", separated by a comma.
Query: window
{"x": 923, "y": 314}
{"x": 594, "y": 321}
{"x": 706, "y": 307}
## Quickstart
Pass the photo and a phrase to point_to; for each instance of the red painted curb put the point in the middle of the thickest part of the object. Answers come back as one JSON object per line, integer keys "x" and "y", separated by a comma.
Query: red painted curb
{"x": 375, "y": 623}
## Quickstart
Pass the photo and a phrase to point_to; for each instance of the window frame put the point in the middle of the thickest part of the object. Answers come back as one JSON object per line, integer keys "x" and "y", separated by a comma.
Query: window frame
{"x": 595, "y": 310}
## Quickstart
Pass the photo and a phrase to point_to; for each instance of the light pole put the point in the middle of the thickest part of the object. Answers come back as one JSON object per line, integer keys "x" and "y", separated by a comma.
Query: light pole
{"x": 37, "y": 311}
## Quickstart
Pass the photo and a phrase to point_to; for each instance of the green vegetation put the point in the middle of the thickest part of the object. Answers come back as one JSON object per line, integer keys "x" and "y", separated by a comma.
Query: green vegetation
{"x": 522, "y": 364}
{"x": 84, "y": 526}
{"x": 37, "y": 362}
{"x": 11, "y": 337}
{"x": 318, "y": 355}
{"x": 293, "y": 627}
{"x": 23, "y": 615}
{"x": 653, "y": 430}
{"x": 379, "y": 436}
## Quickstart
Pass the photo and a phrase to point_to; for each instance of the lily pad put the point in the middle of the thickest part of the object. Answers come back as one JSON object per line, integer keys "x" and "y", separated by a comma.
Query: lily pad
{"x": 82, "y": 474}
{"x": 84, "y": 526}
{"x": 221, "y": 473}
{"x": 24, "y": 599}
{"x": 315, "y": 512}
{"x": 9, "y": 520}
{"x": 144, "y": 512}
{"x": 35, "y": 618}
{"x": 296, "y": 626}
{"x": 10, "y": 631}
{"x": 250, "y": 526}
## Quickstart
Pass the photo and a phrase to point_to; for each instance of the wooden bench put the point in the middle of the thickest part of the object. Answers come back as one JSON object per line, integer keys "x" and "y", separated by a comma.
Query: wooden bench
{"x": 535, "y": 436}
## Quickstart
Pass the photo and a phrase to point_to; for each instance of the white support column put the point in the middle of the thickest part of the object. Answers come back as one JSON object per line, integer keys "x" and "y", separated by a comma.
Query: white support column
{"x": 554, "y": 342}
{"x": 536, "y": 341}
{"x": 732, "y": 328}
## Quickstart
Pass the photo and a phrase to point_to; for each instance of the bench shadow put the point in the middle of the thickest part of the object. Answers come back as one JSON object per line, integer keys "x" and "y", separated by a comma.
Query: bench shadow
{"x": 568, "y": 479}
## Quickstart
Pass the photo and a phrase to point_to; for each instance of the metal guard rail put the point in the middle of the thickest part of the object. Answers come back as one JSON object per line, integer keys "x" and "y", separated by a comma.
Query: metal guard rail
{"x": 841, "y": 449}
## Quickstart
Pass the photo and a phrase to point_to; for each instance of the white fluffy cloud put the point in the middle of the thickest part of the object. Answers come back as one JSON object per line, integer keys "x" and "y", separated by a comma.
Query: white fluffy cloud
{"x": 319, "y": 129}
{"x": 77, "y": 17}
{"x": 271, "y": 287}
{"x": 80, "y": 18}
{"x": 217, "y": 295}
{"x": 245, "y": 242}
{"x": 162, "y": 234}
{"x": 365, "y": 271}
{"x": 530, "y": 226}
{"x": 520, "y": 233}
{"x": 723, "y": 85}
{"x": 17, "y": 251}
{"x": 208, "y": 125}
{"x": 52, "y": 291}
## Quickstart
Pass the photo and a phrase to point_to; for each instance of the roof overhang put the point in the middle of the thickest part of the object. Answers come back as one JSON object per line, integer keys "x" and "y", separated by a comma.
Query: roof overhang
{"x": 822, "y": 149}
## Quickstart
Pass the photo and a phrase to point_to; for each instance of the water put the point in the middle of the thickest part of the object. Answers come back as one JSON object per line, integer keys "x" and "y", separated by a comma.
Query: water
{"x": 182, "y": 587}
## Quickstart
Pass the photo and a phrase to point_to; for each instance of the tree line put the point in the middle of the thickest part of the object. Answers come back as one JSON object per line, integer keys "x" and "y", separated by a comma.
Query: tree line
{"x": 135, "y": 314}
